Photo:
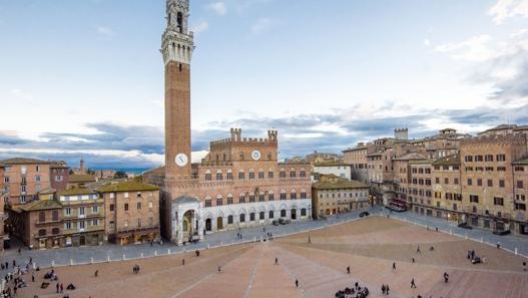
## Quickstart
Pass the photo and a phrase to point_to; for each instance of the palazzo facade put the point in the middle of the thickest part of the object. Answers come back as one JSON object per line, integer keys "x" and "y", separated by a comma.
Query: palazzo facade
{"x": 240, "y": 183}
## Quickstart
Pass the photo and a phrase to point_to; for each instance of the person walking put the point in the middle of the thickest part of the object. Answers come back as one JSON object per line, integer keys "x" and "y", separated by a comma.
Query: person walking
{"x": 348, "y": 269}
{"x": 446, "y": 277}
{"x": 387, "y": 289}
{"x": 383, "y": 289}
{"x": 276, "y": 261}
{"x": 296, "y": 283}
{"x": 413, "y": 285}
{"x": 183, "y": 262}
{"x": 393, "y": 265}
{"x": 96, "y": 273}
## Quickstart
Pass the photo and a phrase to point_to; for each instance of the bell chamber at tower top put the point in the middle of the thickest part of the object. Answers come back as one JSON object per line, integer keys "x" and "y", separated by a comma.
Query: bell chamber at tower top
{"x": 177, "y": 15}
{"x": 177, "y": 42}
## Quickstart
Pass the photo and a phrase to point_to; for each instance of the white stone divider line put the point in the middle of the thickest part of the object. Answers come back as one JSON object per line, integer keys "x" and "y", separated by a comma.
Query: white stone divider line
{"x": 252, "y": 278}
{"x": 206, "y": 277}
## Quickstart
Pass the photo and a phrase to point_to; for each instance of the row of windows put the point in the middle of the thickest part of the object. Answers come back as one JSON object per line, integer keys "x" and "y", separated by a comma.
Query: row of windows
{"x": 487, "y": 169}
{"x": 485, "y": 158}
{"x": 338, "y": 195}
{"x": 81, "y": 225}
{"x": 261, "y": 215}
{"x": 251, "y": 175}
{"x": 23, "y": 180}
{"x": 252, "y": 199}
{"x": 126, "y": 206}
{"x": 420, "y": 170}
{"x": 447, "y": 168}
{"x": 81, "y": 210}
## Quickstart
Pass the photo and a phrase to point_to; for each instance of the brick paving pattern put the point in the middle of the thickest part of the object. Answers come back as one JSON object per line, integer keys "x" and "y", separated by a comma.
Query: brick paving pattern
{"x": 369, "y": 246}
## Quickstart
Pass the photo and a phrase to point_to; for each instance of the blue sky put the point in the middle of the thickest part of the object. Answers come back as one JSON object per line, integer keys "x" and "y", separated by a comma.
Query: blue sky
{"x": 84, "y": 78}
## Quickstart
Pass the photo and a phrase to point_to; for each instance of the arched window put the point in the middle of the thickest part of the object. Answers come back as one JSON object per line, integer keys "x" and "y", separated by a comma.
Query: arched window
{"x": 293, "y": 195}
{"x": 179, "y": 20}
{"x": 242, "y": 217}
{"x": 208, "y": 202}
{"x": 303, "y": 194}
{"x": 252, "y": 198}
{"x": 55, "y": 215}
{"x": 271, "y": 196}
{"x": 42, "y": 232}
{"x": 283, "y": 195}
{"x": 208, "y": 176}
{"x": 271, "y": 214}
{"x": 302, "y": 174}
{"x": 42, "y": 216}
{"x": 229, "y": 175}
{"x": 55, "y": 231}
{"x": 219, "y": 201}
{"x": 242, "y": 198}
{"x": 219, "y": 175}
{"x": 283, "y": 213}
{"x": 293, "y": 174}
{"x": 241, "y": 175}
{"x": 229, "y": 199}
{"x": 252, "y": 216}
{"x": 262, "y": 215}
{"x": 230, "y": 220}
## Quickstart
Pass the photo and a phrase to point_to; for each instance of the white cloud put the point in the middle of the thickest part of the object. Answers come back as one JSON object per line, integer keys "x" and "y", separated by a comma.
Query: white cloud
{"x": 200, "y": 27}
{"x": 262, "y": 25}
{"x": 474, "y": 49}
{"x": 218, "y": 7}
{"x": 19, "y": 94}
{"x": 505, "y": 9}
{"x": 427, "y": 43}
{"x": 105, "y": 31}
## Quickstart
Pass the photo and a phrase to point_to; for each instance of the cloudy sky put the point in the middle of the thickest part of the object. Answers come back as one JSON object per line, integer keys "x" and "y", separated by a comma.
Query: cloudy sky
{"x": 84, "y": 78}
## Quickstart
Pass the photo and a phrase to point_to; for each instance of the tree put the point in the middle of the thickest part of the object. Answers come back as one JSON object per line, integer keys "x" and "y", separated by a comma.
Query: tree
{"x": 120, "y": 174}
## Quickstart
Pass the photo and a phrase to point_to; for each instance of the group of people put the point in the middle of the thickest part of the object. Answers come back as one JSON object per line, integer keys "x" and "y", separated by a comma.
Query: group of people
{"x": 135, "y": 269}
{"x": 353, "y": 292}
{"x": 474, "y": 258}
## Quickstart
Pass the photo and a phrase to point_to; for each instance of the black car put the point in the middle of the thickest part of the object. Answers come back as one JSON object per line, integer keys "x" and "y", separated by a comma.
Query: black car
{"x": 364, "y": 214}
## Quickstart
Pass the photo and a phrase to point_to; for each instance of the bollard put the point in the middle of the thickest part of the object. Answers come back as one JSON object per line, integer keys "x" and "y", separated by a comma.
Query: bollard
{"x": 71, "y": 262}
{"x": 53, "y": 263}
{"x": 481, "y": 239}
{"x": 124, "y": 257}
{"x": 207, "y": 245}
{"x": 142, "y": 255}
{"x": 466, "y": 236}
{"x": 450, "y": 232}
{"x": 91, "y": 261}
{"x": 168, "y": 251}
{"x": 221, "y": 243}
{"x": 108, "y": 259}
{"x": 156, "y": 253}
{"x": 254, "y": 239}
{"x": 516, "y": 251}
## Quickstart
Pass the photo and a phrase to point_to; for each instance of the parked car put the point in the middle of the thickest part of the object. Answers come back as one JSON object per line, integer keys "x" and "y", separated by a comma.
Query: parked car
{"x": 284, "y": 221}
{"x": 275, "y": 222}
{"x": 364, "y": 214}
{"x": 464, "y": 225}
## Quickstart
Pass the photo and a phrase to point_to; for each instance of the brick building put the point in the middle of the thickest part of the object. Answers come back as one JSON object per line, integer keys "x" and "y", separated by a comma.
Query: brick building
{"x": 59, "y": 175}
{"x": 82, "y": 217}
{"x": 479, "y": 181}
{"x": 131, "y": 212}
{"x": 334, "y": 195}
{"x": 240, "y": 183}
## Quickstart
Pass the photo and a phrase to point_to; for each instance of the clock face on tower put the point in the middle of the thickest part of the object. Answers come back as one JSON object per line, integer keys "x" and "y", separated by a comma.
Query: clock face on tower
{"x": 255, "y": 155}
{"x": 181, "y": 159}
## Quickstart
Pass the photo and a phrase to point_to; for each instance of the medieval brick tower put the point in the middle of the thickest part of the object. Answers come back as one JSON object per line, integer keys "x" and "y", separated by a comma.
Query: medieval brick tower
{"x": 177, "y": 48}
